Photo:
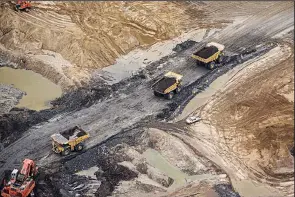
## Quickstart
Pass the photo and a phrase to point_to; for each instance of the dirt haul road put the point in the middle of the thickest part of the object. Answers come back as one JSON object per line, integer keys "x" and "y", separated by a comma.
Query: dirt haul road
{"x": 187, "y": 149}
{"x": 243, "y": 130}
{"x": 67, "y": 41}
{"x": 130, "y": 112}
{"x": 136, "y": 101}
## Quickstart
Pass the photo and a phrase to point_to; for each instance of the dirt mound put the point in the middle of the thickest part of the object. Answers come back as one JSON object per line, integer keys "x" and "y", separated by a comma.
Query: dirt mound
{"x": 261, "y": 112}
{"x": 254, "y": 119}
{"x": 183, "y": 46}
{"x": 73, "y": 38}
{"x": 122, "y": 168}
{"x": 9, "y": 97}
{"x": 164, "y": 83}
{"x": 12, "y": 125}
{"x": 206, "y": 52}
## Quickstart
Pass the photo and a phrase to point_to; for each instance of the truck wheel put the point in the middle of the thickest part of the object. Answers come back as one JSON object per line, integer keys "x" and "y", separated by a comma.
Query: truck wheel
{"x": 211, "y": 65}
{"x": 220, "y": 59}
{"x": 79, "y": 147}
{"x": 170, "y": 95}
{"x": 156, "y": 93}
{"x": 66, "y": 151}
{"x": 201, "y": 63}
{"x": 178, "y": 89}
{"x": 32, "y": 194}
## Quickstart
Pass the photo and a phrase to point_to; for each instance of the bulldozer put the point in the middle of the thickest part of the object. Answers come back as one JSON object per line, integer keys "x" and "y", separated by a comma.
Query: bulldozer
{"x": 22, "y": 5}
{"x": 69, "y": 140}
{"x": 21, "y": 183}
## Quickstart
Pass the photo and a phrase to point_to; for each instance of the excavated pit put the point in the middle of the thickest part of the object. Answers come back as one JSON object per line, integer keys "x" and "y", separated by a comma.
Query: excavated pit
{"x": 128, "y": 148}
{"x": 19, "y": 120}
{"x": 119, "y": 173}
{"x": 67, "y": 41}
{"x": 100, "y": 153}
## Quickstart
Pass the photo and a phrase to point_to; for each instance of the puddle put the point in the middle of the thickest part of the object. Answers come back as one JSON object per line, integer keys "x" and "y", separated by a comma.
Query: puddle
{"x": 155, "y": 159}
{"x": 202, "y": 98}
{"x": 89, "y": 172}
{"x": 40, "y": 91}
{"x": 221, "y": 82}
{"x": 246, "y": 188}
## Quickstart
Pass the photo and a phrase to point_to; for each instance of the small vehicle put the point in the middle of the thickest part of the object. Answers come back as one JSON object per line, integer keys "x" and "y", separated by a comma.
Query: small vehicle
{"x": 21, "y": 183}
{"x": 208, "y": 56}
{"x": 22, "y": 5}
{"x": 193, "y": 119}
{"x": 70, "y": 140}
{"x": 167, "y": 86}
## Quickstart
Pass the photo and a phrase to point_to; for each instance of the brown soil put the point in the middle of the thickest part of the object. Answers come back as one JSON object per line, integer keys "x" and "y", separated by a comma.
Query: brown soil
{"x": 89, "y": 35}
{"x": 258, "y": 114}
{"x": 253, "y": 117}
{"x": 247, "y": 126}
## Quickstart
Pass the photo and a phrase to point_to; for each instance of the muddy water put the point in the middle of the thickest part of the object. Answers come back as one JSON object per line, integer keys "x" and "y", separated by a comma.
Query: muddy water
{"x": 202, "y": 98}
{"x": 39, "y": 90}
{"x": 155, "y": 159}
{"x": 89, "y": 172}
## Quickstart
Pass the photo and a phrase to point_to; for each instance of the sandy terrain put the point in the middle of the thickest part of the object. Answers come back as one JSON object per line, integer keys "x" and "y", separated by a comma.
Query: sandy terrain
{"x": 248, "y": 126}
{"x": 65, "y": 41}
{"x": 261, "y": 119}
{"x": 243, "y": 140}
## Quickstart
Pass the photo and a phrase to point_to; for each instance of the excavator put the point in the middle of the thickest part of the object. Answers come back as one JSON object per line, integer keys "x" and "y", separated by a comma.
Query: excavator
{"x": 23, "y": 5}
{"x": 21, "y": 183}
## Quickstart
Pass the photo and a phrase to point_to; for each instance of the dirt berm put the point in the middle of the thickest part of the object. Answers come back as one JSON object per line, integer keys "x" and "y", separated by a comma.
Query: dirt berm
{"x": 128, "y": 125}
{"x": 67, "y": 41}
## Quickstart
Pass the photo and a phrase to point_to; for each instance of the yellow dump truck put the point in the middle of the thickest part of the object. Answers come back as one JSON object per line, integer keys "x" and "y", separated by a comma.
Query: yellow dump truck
{"x": 209, "y": 55}
{"x": 168, "y": 85}
{"x": 69, "y": 140}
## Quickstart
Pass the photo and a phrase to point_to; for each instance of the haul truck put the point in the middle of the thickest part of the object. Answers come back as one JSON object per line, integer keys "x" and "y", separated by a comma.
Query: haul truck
{"x": 69, "y": 140}
{"x": 168, "y": 85}
{"x": 208, "y": 56}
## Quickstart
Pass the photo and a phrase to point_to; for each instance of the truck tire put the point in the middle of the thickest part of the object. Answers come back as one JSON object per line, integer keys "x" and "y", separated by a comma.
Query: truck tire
{"x": 79, "y": 147}
{"x": 32, "y": 194}
{"x": 170, "y": 95}
{"x": 178, "y": 89}
{"x": 156, "y": 93}
{"x": 211, "y": 65}
{"x": 220, "y": 59}
{"x": 66, "y": 151}
{"x": 199, "y": 63}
